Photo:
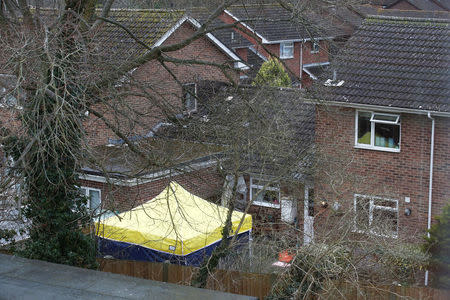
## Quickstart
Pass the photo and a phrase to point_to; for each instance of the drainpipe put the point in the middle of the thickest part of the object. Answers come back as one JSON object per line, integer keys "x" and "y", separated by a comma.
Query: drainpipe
{"x": 430, "y": 188}
{"x": 301, "y": 63}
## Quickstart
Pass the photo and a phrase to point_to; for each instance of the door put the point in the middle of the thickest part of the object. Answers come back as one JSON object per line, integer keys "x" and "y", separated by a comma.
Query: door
{"x": 308, "y": 219}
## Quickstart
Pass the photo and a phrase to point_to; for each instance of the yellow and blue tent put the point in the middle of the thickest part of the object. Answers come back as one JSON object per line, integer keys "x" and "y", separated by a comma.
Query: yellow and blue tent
{"x": 175, "y": 225}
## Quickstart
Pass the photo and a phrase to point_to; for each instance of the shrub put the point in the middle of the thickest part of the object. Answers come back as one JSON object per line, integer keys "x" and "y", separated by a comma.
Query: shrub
{"x": 438, "y": 245}
{"x": 272, "y": 73}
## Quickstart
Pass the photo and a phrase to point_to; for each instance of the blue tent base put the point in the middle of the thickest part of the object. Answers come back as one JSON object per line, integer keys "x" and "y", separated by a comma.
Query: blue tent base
{"x": 127, "y": 251}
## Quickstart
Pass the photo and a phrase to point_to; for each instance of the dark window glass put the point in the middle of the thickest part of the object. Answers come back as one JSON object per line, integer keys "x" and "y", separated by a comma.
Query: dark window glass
{"x": 189, "y": 97}
{"x": 364, "y": 128}
{"x": 387, "y": 135}
{"x": 384, "y": 221}
{"x": 362, "y": 213}
{"x": 311, "y": 202}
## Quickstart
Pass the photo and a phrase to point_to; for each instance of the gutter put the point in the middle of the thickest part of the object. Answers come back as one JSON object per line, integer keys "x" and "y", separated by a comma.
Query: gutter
{"x": 377, "y": 107}
{"x": 154, "y": 176}
{"x": 430, "y": 188}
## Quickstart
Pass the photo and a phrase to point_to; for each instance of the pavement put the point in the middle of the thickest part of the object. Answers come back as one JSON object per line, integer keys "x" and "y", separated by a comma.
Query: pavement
{"x": 22, "y": 278}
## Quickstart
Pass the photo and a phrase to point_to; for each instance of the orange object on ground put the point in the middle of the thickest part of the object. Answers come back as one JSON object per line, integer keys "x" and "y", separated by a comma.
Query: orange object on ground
{"x": 285, "y": 256}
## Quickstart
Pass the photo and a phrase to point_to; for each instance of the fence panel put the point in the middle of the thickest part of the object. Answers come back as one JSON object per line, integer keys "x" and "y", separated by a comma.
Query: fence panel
{"x": 259, "y": 285}
{"x": 350, "y": 292}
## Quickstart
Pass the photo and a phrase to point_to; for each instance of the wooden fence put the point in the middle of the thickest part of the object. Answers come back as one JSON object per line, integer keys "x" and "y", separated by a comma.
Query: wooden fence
{"x": 390, "y": 292}
{"x": 250, "y": 284}
{"x": 259, "y": 285}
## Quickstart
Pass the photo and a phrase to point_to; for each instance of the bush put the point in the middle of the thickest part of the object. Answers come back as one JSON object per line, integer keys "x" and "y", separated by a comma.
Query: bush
{"x": 272, "y": 73}
{"x": 438, "y": 245}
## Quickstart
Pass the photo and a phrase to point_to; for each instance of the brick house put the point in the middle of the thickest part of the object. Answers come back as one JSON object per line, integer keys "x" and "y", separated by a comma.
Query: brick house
{"x": 277, "y": 195}
{"x": 384, "y": 121}
{"x": 163, "y": 95}
{"x": 413, "y": 4}
{"x": 120, "y": 179}
{"x": 264, "y": 31}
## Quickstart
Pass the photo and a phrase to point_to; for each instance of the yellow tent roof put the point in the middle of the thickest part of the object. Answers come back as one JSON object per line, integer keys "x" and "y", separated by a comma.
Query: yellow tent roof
{"x": 175, "y": 221}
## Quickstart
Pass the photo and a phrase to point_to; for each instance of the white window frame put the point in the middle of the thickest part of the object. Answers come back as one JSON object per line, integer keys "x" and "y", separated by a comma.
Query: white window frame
{"x": 372, "y": 206}
{"x": 86, "y": 194}
{"x": 288, "y": 45}
{"x": 315, "y": 47}
{"x": 373, "y": 121}
{"x": 267, "y": 188}
{"x": 195, "y": 97}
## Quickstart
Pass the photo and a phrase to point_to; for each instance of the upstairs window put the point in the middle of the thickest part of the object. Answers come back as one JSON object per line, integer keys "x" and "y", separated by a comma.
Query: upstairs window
{"x": 377, "y": 131}
{"x": 287, "y": 50}
{"x": 315, "y": 47}
{"x": 190, "y": 97}
{"x": 264, "y": 193}
{"x": 376, "y": 215}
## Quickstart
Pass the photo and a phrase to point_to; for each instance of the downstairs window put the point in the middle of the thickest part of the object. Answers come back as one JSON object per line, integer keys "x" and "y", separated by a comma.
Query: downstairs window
{"x": 376, "y": 215}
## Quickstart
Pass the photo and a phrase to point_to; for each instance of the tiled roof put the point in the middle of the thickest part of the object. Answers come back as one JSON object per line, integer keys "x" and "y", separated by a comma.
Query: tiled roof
{"x": 148, "y": 25}
{"x": 394, "y": 62}
{"x": 120, "y": 161}
{"x": 420, "y": 4}
{"x": 275, "y": 23}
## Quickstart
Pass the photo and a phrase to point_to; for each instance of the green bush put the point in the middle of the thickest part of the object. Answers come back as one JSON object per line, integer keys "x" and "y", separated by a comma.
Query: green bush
{"x": 438, "y": 245}
{"x": 272, "y": 73}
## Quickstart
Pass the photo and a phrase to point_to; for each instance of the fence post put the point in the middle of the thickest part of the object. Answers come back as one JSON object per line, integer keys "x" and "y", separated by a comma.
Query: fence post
{"x": 166, "y": 271}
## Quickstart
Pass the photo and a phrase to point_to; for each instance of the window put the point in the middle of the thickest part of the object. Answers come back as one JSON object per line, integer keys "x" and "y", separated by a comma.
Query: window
{"x": 190, "y": 97}
{"x": 287, "y": 50}
{"x": 264, "y": 193}
{"x": 315, "y": 47}
{"x": 376, "y": 215}
{"x": 377, "y": 131}
{"x": 94, "y": 199}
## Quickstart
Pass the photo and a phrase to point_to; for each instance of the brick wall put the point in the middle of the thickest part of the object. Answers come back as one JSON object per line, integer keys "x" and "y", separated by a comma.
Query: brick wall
{"x": 293, "y": 64}
{"x": 205, "y": 183}
{"x": 347, "y": 170}
{"x": 138, "y": 115}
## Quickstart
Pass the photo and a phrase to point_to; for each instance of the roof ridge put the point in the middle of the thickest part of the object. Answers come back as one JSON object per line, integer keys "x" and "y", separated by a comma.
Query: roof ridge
{"x": 124, "y": 9}
{"x": 413, "y": 19}
{"x": 149, "y": 9}
{"x": 254, "y": 5}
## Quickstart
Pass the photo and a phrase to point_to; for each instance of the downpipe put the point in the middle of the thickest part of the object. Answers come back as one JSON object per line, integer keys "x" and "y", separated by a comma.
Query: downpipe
{"x": 430, "y": 188}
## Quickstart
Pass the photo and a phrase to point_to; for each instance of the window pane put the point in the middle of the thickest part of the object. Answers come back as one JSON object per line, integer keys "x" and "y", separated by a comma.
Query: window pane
{"x": 387, "y": 135}
{"x": 315, "y": 47}
{"x": 95, "y": 201}
{"x": 362, "y": 213}
{"x": 287, "y": 50}
{"x": 385, "y": 203}
{"x": 311, "y": 202}
{"x": 189, "y": 97}
{"x": 364, "y": 128}
{"x": 384, "y": 221}
{"x": 270, "y": 197}
{"x": 388, "y": 118}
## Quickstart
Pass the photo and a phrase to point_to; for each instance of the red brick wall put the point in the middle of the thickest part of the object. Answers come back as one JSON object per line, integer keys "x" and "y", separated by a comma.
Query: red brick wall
{"x": 140, "y": 114}
{"x": 293, "y": 64}
{"x": 205, "y": 183}
{"x": 379, "y": 173}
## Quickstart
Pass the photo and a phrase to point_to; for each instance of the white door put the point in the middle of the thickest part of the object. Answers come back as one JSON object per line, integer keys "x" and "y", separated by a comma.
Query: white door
{"x": 308, "y": 218}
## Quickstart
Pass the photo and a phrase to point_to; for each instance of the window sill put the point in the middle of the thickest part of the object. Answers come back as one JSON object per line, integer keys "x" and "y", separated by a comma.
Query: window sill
{"x": 367, "y": 147}
{"x": 286, "y": 57}
{"x": 393, "y": 236}
{"x": 314, "y": 52}
{"x": 266, "y": 204}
